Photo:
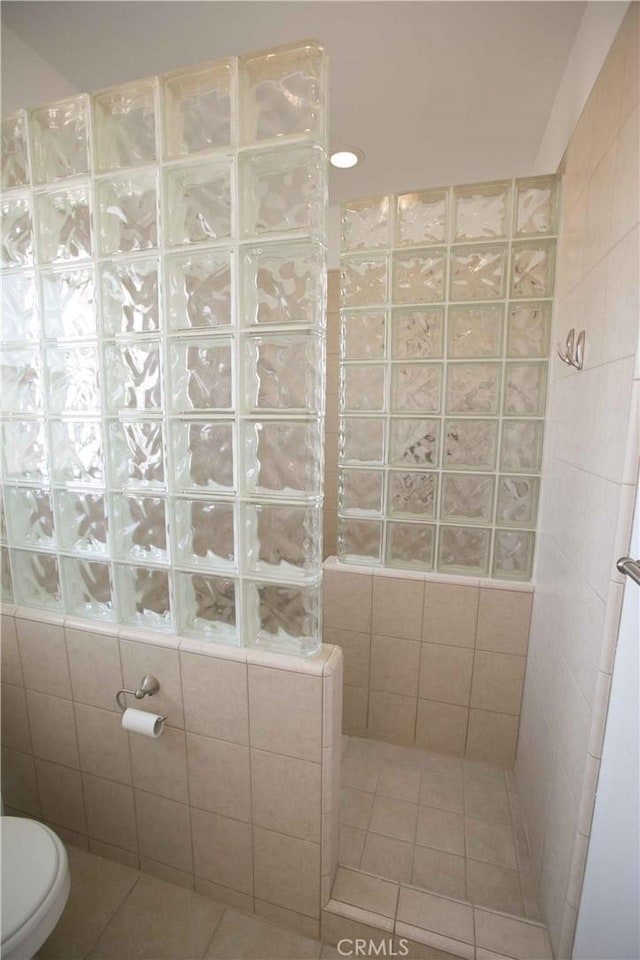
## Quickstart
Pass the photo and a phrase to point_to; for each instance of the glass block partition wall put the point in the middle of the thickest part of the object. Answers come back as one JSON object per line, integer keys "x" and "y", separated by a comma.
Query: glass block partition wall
{"x": 163, "y": 288}
{"x": 446, "y": 300}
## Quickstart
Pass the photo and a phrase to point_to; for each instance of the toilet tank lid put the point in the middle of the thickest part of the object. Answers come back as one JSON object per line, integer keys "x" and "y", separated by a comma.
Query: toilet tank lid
{"x": 34, "y": 861}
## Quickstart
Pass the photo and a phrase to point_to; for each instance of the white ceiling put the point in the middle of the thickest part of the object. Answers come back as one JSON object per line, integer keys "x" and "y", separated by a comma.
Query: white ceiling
{"x": 433, "y": 92}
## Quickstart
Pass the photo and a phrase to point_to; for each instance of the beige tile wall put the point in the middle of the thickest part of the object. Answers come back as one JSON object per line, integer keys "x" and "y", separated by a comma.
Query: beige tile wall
{"x": 590, "y": 475}
{"x": 238, "y": 798}
{"x": 427, "y": 661}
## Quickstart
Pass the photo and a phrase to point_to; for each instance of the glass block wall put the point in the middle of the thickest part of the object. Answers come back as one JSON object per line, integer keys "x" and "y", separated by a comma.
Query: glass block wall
{"x": 446, "y": 300}
{"x": 163, "y": 289}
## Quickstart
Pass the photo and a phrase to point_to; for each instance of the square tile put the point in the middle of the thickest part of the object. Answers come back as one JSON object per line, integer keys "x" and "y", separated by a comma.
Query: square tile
{"x": 284, "y": 794}
{"x": 219, "y": 776}
{"x": 392, "y": 717}
{"x": 110, "y": 812}
{"x": 139, "y": 659}
{"x": 491, "y": 842}
{"x": 395, "y": 665}
{"x": 486, "y": 802}
{"x": 503, "y": 621}
{"x": 350, "y": 845}
{"x": 438, "y": 914}
{"x": 442, "y": 792}
{"x": 61, "y": 796}
{"x": 400, "y": 783}
{"x": 43, "y": 655}
{"x": 441, "y": 830}
{"x": 15, "y": 722}
{"x": 102, "y": 743}
{"x": 497, "y": 682}
{"x": 94, "y": 664}
{"x": 514, "y": 938}
{"x": 384, "y": 857}
{"x": 495, "y": 887}
{"x": 251, "y": 938}
{"x": 439, "y": 872}
{"x": 397, "y": 607}
{"x": 164, "y": 831}
{"x": 19, "y": 786}
{"x": 296, "y": 731}
{"x": 445, "y": 673}
{"x": 287, "y": 872}
{"x": 359, "y": 773}
{"x": 222, "y": 850}
{"x": 355, "y": 808}
{"x": 394, "y": 818}
{"x": 450, "y": 614}
{"x": 215, "y": 693}
{"x": 53, "y": 729}
{"x": 159, "y": 920}
{"x": 442, "y": 727}
{"x": 160, "y": 766}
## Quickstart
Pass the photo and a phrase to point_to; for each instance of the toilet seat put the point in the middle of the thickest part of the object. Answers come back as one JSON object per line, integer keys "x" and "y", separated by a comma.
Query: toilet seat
{"x": 35, "y": 885}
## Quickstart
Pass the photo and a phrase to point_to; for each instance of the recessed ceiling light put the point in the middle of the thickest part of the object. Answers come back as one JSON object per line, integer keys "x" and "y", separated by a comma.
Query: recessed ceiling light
{"x": 344, "y": 159}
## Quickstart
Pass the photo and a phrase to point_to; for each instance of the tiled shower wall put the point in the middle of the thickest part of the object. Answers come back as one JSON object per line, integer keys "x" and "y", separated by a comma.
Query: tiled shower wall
{"x": 431, "y": 662}
{"x": 163, "y": 351}
{"x": 445, "y": 321}
{"x": 238, "y": 797}
{"x": 591, "y": 473}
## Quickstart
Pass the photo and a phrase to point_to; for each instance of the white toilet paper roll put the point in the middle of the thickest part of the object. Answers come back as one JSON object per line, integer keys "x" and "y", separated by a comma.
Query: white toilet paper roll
{"x": 139, "y": 721}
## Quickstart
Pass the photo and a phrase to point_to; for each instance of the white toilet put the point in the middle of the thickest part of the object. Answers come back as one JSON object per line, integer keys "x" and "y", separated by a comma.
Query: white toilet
{"x": 35, "y": 886}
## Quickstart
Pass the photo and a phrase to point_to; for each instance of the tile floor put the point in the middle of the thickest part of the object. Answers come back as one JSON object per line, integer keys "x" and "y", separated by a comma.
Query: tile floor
{"x": 443, "y": 824}
{"x": 116, "y": 913}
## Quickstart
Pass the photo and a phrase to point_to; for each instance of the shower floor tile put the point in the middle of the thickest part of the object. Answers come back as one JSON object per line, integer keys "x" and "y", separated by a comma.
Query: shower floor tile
{"x": 443, "y": 824}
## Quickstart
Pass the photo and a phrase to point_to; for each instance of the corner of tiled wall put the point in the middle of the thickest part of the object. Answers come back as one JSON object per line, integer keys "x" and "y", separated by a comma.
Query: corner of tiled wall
{"x": 432, "y": 663}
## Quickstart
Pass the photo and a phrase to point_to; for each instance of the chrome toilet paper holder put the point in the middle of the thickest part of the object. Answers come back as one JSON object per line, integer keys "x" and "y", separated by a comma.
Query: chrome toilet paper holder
{"x": 148, "y": 686}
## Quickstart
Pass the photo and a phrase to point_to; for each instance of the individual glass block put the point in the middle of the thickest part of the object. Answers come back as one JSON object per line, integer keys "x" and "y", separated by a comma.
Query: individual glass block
{"x": 29, "y": 512}
{"x": 127, "y": 214}
{"x": 477, "y": 273}
{"x": 124, "y": 125}
{"x": 412, "y": 494}
{"x": 482, "y": 211}
{"x": 410, "y": 545}
{"x": 139, "y": 527}
{"x": 528, "y": 329}
{"x": 202, "y": 455}
{"x": 518, "y": 501}
{"x": 360, "y": 491}
{"x": 359, "y": 539}
{"x": 6, "y": 580}
{"x": 59, "y": 139}
{"x": 365, "y": 224}
{"x": 513, "y": 554}
{"x": 283, "y": 618}
{"x": 470, "y": 444}
{"x": 63, "y": 219}
{"x": 73, "y": 379}
{"x": 68, "y": 303}
{"x": 362, "y": 335}
{"x": 25, "y": 451}
{"x": 197, "y": 108}
{"x": 416, "y": 388}
{"x": 536, "y": 206}
{"x": 87, "y": 588}
{"x": 283, "y": 283}
{"x": 467, "y": 497}
{"x": 199, "y": 289}
{"x": 532, "y": 268}
{"x": 417, "y": 334}
{"x": 143, "y": 597}
{"x": 136, "y": 454}
{"x": 283, "y": 92}
{"x": 283, "y": 190}
{"x": 207, "y": 607}
{"x": 419, "y": 276}
{"x": 521, "y": 446}
{"x": 15, "y": 167}
{"x": 204, "y": 533}
{"x": 464, "y": 550}
{"x": 77, "y": 452}
{"x": 197, "y": 204}
{"x": 82, "y": 522}
{"x": 200, "y": 375}
{"x": 361, "y": 440}
{"x": 362, "y": 387}
{"x": 21, "y": 379}
{"x": 475, "y": 331}
{"x": 282, "y": 541}
{"x": 16, "y": 231}
{"x": 414, "y": 442}
{"x": 19, "y": 317}
{"x": 525, "y": 389}
{"x": 473, "y": 387}
{"x": 421, "y": 217}
{"x": 283, "y": 373}
{"x": 363, "y": 280}
{"x": 130, "y": 297}
{"x": 36, "y": 579}
{"x": 132, "y": 373}
{"x": 282, "y": 458}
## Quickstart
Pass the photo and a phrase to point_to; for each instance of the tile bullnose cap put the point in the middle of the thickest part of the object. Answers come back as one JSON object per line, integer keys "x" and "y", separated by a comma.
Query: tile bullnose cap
{"x": 349, "y": 912}
{"x": 8, "y": 610}
{"x": 43, "y": 617}
{"x": 334, "y": 662}
{"x": 214, "y": 651}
